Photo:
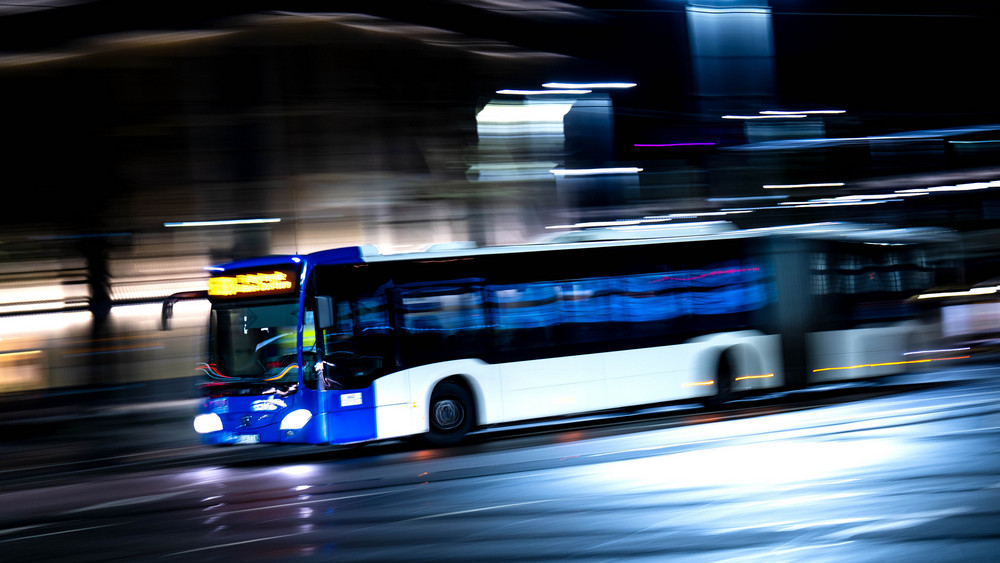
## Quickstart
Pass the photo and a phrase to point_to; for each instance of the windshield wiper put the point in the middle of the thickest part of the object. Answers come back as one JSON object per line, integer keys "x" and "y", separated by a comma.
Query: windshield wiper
{"x": 270, "y": 340}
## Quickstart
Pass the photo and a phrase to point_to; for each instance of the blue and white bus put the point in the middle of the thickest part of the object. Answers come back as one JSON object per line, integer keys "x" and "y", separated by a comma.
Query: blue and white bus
{"x": 348, "y": 345}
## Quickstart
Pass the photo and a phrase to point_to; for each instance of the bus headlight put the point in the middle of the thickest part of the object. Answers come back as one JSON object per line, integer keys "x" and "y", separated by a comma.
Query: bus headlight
{"x": 296, "y": 419}
{"x": 205, "y": 423}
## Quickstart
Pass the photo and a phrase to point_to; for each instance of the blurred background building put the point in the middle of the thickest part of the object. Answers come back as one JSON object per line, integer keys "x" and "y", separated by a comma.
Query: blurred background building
{"x": 145, "y": 141}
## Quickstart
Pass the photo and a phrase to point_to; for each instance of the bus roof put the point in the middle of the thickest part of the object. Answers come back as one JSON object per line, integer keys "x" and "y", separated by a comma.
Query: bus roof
{"x": 597, "y": 238}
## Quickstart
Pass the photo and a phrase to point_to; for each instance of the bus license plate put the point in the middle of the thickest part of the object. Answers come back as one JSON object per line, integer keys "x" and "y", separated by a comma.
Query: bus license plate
{"x": 247, "y": 439}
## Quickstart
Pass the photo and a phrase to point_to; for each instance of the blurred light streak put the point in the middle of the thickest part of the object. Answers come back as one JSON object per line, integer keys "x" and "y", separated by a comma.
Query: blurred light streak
{"x": 805, "y": 205}
{"x": 591, "y": 85}
{"x": 592, "y": 224}
{"x": 674, "y": 145}
{"x": 528, "y": 112}
{"x": 699, "y": 383}
{"x": 972, "y": 186}
{"x": 762, "y": 464}
{"x": 14, "y": 61}
{"x": 221, "y": 222}
{"x": 47, "y": 322}
{"x": 20, "y": 353}
{"x": 902, "y": 362}
{"x": 432, "y": 36}
{"x": 796, "y": 186}
{"x": 297, "y": 471}
{"x": 965, "y": 293}
{"x": 595, "y": 171}
{"x": 695, "y": 214}
{"x": 787, "y": 116}
{"x": 542, "y": 92}
{"x": 729, "y": 10}
{"x": 764, "y": 376}
{"x": 142, "y": 39}
{"x": 821, "y": 142}
{"x": 746, "y": 198}
{"x": 941, "y": 351}
{"x": 806, "y": 112}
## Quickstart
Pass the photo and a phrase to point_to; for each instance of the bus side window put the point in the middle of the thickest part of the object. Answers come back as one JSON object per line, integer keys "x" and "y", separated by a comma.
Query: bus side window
{"x": 587, "y": 310}
{"x": 523, "y": 315}
{"x": 724, "y": 295}
{"x": 442, "y": 322}
{"x": 340, "y": 337}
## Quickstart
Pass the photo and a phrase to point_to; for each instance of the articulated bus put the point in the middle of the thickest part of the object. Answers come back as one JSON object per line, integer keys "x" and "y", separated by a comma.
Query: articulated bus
{"x": 348, "y": 345}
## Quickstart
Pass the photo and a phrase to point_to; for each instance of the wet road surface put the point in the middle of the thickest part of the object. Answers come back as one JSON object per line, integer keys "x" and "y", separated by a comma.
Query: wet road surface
{"x": 913, "y": 475}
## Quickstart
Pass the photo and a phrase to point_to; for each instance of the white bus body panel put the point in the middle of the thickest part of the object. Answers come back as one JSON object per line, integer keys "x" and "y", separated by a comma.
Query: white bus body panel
{"x": 566, "y": 385}
{"x": 858, "y": 353}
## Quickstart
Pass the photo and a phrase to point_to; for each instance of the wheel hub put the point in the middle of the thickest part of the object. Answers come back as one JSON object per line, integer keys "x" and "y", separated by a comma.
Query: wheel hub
{"x": 448, "y": 414}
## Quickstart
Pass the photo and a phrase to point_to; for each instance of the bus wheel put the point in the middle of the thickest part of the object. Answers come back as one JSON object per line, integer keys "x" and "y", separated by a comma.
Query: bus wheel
{"x": 450, "y": 414}
{"x": 724, "y": 376}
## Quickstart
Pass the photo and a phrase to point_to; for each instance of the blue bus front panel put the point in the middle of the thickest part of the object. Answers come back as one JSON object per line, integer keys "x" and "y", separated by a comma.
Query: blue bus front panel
{"x": 346, "y": 417}
{"x": 257, "y": 419}
{"x": 350, "y": 415}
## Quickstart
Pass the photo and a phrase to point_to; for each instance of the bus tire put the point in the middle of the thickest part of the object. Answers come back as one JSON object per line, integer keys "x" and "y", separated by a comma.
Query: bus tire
{"x": 450, "y": 414}
{"x": 725, "y": 373}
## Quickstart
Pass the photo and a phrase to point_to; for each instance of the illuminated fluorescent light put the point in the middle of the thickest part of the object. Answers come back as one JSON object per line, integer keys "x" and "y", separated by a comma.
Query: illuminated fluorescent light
{"x": 219, "y": 223}
{"x": 972, "y": 186}
{"x": 966, "y": 293}
{"x": 806, "y": 112}
{"x": 595, "y": 171}
{"x": 782, "y": 116}
{"x": 796, "y": 186}
{"x": 534, "y": 113}
{"x": 589, "y": 85}
{"x": 800, "y": 205}
{"x": 673, "y": 145}
{"x": 537, "y": 92}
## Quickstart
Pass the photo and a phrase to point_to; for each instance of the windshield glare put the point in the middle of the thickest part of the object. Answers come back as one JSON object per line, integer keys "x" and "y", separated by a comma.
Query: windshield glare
{"x": 256, "y": 342}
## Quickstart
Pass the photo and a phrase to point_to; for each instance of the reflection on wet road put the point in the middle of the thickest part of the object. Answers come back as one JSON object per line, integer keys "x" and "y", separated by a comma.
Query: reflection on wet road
{"x": 912, "y": 476}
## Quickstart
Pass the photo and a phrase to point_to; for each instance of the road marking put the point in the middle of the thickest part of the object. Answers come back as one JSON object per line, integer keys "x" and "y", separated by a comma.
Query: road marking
{"x": 301, "y": 503}
{"x": 471, "y": 510}
{"x": 57, "y": 533}
{"x": 20, "y": 529}
{"x": 911, "y": 521}
{"x": 231, "y": 544}
{"x": 126, "y": 502}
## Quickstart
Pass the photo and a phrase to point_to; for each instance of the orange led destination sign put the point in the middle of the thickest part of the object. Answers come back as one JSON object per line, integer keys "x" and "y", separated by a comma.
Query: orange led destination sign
{"x": 256, "y": 283}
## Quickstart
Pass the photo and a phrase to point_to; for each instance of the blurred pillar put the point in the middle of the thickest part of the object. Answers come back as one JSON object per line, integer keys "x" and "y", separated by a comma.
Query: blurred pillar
{"x": 95, "y": 251}
{"x": 732, "y": 52}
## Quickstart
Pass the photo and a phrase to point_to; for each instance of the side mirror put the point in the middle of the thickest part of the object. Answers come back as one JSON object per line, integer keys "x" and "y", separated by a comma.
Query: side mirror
{"x": 324, "y": 311}
{"x": 168, "y": 305}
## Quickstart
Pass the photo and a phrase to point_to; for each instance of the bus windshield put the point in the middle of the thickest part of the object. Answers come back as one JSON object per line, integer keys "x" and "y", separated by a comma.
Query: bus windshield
{"x": 254, "y": 342}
